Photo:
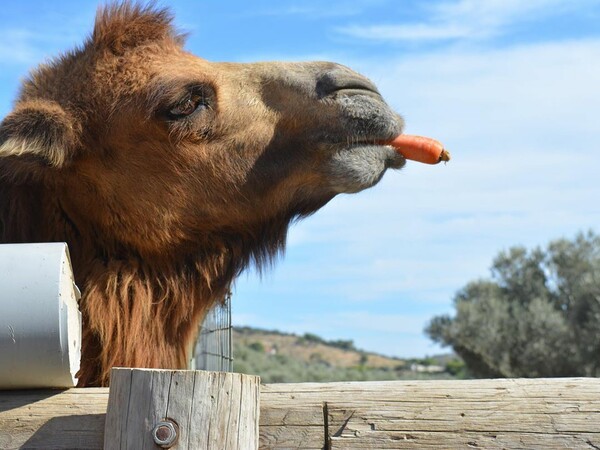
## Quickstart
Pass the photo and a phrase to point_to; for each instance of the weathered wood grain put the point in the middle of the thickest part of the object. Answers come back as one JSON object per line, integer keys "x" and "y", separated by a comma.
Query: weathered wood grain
{"x": 509, "y": 414}
{"x": 513, "y": 414}
{"x": 523, "y": 413}
{"x": 53, "y": 419}
{"x": 210, "y": 410}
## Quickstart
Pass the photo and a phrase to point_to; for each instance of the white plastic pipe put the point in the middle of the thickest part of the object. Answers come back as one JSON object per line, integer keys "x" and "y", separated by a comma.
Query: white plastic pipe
{"x": 40, "y": 323}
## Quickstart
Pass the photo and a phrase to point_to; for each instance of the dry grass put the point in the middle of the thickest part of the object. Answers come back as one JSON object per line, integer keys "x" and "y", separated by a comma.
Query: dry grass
{"x": 309, "y": 351}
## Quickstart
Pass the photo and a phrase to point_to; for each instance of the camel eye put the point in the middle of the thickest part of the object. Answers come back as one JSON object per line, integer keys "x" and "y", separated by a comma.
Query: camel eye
{"x": 191, "y": 104}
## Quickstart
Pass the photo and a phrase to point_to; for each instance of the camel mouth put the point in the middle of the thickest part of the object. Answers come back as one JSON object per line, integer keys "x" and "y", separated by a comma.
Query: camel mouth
{"x": 358, "y": 166}
{"x": 344, "y": 81}
{"x": 383, "y": 130}
{"x": 380, "y": 150}
{"x": 367, "y": 118}
{"x": 362, "y": 155}
{"x": 362, "y": 158}
{"x": 357, "y": 90}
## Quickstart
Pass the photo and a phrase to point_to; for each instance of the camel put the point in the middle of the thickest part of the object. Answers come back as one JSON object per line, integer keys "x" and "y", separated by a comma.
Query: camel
{"x": 168, "y": 175}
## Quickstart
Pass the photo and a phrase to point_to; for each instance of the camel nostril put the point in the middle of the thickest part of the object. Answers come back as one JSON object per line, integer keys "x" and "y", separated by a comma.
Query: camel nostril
{"x": 343, "y": 79}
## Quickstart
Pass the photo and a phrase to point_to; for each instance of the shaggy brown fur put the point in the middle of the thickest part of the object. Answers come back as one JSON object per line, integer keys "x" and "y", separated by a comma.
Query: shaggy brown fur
{"x": 167, "y": 174}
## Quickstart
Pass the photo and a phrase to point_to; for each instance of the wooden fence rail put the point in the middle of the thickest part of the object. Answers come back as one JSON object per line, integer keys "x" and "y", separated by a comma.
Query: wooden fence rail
{"x": 490, "y": 414}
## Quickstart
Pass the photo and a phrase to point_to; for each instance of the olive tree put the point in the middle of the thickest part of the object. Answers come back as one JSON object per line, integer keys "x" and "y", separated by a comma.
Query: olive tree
{"x": 537, "y": 316}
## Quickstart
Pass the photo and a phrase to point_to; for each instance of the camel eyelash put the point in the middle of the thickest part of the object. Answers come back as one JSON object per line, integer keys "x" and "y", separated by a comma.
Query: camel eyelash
{"x": 197, "y": 98}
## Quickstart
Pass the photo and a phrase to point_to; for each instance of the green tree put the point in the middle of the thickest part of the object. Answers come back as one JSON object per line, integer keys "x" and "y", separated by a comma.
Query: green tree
{"x": 257, "y": 346}
{"x": 538, "y": 315}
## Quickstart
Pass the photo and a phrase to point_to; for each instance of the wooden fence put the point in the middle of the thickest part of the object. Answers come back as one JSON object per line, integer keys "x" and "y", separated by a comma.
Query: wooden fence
{"x": 491, "y": 414}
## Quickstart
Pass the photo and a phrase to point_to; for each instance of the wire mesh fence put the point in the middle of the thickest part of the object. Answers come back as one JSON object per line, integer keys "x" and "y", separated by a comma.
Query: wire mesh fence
{"x": 214, "y": 347}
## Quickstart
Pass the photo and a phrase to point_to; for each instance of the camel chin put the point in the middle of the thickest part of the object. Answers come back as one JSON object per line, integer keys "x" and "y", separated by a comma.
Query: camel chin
{"x": 361, "y": 166}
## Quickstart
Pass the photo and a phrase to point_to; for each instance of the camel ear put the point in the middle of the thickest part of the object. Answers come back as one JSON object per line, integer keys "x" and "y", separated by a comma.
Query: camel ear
{"x": 39, "y": 131}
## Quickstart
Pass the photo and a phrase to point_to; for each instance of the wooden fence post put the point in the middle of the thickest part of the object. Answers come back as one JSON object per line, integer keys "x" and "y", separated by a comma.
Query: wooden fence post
{"x": 181, "y": 409}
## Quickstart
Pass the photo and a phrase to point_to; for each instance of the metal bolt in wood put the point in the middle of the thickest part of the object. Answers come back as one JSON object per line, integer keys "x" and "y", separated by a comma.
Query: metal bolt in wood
{"x": 165, "y": 433}
{"x": 153, "y": 408}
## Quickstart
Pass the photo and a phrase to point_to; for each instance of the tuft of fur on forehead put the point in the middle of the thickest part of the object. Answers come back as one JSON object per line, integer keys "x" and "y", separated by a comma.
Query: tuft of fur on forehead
{"x": 126, "y": 25}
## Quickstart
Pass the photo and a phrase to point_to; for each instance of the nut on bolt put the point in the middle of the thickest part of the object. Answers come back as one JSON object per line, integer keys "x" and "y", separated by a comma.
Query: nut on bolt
{"x": 165, "y": 433}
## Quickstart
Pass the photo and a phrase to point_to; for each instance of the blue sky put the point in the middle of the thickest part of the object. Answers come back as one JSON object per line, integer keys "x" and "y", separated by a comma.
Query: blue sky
{"x": 511, "y": 87}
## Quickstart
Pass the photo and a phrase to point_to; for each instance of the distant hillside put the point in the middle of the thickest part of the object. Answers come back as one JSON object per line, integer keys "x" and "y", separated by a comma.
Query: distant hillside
{"x": 286, "y": 358}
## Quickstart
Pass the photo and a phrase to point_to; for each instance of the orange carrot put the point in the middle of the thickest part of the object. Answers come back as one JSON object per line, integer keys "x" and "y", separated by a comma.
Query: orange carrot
{"x": 421, "y": 149}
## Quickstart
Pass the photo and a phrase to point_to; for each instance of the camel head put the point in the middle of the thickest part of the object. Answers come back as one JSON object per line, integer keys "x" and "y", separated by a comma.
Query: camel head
{"x": 158, "y": 149}
{"x": 168, "y": 174}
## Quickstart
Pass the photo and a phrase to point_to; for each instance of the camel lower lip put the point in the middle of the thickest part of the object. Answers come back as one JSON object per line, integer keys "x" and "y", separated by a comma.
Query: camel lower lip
{"x": 374, "y": 145}
{"x": 360, "y": 166}
{"x": 393, "y": 158}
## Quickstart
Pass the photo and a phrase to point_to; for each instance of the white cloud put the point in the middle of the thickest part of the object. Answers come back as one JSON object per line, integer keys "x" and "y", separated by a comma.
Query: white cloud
{"x": 409, "y": 32}
{"x": 523, "y": 91}
{"x": 522, "y": 125}
{"x": 317, "y": 9}
{"x": 308, "y": 10}
{"x": 337, "y": 324}
{"x": 466, "y": 19}
{"x": 22, "y": 46}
